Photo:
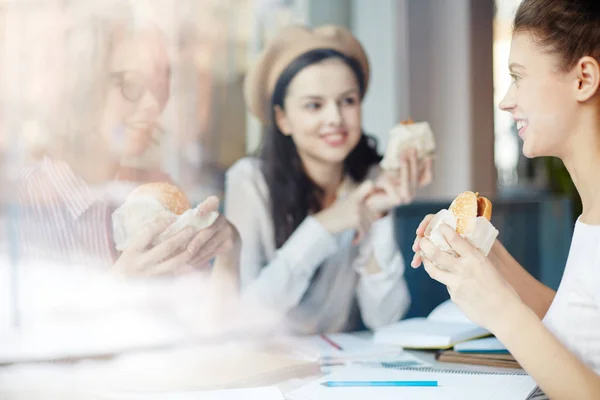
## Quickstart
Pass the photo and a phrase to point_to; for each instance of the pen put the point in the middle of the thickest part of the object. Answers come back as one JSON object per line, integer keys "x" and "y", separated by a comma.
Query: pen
{"x": 331, "y": 342}
{"x": 378, "y": 383}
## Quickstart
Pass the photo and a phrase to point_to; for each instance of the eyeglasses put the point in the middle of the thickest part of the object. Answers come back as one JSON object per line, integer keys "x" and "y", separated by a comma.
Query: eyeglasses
{"x": 134, "y": 85}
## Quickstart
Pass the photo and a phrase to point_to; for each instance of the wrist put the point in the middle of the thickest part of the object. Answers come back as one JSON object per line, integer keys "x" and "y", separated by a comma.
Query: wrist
{"x": 328, "y": 221}
{"x": 511, "y": 318}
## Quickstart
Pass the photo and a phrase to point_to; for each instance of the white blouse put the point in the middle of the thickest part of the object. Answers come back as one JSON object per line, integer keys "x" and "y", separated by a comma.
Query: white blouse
{"x": 574, "y": 316}
{"x": 316, "y": 281}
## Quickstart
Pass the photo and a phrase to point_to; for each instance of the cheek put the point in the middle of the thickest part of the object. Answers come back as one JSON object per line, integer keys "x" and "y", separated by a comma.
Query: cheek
{"x": 353, "y": 119}
{"x": 116, "y": 108}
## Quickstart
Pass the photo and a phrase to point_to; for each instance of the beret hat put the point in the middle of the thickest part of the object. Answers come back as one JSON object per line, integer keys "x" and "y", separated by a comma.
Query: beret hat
{"x": 289, "y": 44}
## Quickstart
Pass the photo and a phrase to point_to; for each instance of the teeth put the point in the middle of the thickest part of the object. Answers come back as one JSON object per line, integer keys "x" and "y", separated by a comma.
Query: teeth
{"x": 520, "y": 125}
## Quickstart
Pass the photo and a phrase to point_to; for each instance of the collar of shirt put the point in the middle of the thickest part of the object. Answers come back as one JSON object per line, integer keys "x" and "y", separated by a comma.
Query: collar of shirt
{"x": 76, "y": 195}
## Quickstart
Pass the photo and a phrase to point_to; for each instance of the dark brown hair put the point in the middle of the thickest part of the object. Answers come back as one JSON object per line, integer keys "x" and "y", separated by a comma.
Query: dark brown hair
{"x": 567, "y": 28}
{"x": 293, "y": 194}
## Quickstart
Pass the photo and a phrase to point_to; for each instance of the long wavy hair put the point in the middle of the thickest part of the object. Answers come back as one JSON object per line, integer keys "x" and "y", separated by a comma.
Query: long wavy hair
{"x": 293, "y": 194}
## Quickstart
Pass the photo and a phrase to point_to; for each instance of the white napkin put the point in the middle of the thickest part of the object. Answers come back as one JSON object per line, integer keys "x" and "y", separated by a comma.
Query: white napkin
{"x": 480, "y": 232}
{"x": 129, "y": 219}
{"x": 417, "y": 135}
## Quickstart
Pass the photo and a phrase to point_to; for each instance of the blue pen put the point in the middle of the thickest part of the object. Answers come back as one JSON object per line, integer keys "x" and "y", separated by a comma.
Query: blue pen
{"x": 378, "y": 383}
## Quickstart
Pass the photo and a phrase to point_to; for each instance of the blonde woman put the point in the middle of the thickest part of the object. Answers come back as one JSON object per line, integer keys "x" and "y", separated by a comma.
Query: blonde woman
{"x": 112, "y": 85}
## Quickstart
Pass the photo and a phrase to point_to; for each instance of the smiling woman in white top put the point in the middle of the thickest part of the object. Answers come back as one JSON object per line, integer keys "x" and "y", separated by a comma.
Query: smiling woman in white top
{"x": 555, "y": 100}
{"x": 317, "y": 249}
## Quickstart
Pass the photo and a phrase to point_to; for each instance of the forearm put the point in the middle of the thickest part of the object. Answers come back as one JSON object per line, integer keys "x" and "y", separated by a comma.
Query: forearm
{"x": 532, "y": 292}
{"x": 382, "y": 291}
{"x": 225, "y": 275}
{"x": 559, "y": 373}
{"x": 281, "y": 283}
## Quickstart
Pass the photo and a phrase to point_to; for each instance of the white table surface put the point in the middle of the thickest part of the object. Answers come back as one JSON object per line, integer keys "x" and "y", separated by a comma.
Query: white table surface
{"x": 33, "y": 381}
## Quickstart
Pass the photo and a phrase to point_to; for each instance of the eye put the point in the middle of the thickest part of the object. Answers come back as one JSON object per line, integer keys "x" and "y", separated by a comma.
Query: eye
{"x": 312, "y": 106}
{"x": 350, "y": 101}
{"x": 515, "y": 79}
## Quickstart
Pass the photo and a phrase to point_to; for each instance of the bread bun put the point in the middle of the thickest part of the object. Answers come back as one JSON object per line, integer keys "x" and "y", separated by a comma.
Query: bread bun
{"x": 167, "y": 194}
{"x": 468, "y": 205}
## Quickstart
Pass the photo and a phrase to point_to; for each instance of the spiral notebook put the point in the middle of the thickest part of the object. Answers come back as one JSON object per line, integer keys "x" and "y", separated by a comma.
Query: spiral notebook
{"x": 463, "y": 386}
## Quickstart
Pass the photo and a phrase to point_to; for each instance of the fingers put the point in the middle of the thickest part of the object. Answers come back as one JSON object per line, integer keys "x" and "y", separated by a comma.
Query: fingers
{"x": 211, "y": 247}
{"x": 149, "y": 232}
{"x": 426, "y": 172}
{"x": 210, "y": 204}
{"x": 413, "y": 172}
{"x": 172, "y": 265}
{"x": 219, "y": 238}
{"x": 456, "y": 242}
{"x": 436, "y": 255}
{"x": 417, "y": 260}
{"x": 423, "y": 226}
{"x": 205, "y": 235}
{"x": 167, "y": 248}
{"x": 404, "y": 181}
{"x": 364, "y": 190}
{"x": 444, "y": 277}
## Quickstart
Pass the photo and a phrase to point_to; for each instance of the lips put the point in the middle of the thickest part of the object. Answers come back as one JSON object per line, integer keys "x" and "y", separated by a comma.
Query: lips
{"x": 522, "y": 126}
{"x": 336, "y": 138}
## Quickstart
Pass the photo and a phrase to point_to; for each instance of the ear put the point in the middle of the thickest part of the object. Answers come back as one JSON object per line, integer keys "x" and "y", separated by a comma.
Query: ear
{"x": 588, "y": 78}
{"x": 282, "y": 121}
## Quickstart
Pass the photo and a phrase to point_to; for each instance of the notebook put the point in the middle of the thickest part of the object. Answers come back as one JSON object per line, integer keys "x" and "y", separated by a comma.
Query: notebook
{"x": 484, "y": 345}
{"x": 445, "y": 326}
{"x": 451, "y": 386}
{"x": 488, "y": 359}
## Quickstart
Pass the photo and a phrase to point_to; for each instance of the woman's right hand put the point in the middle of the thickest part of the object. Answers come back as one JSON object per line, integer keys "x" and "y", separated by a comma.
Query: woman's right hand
{"x": 140, "y": 258}
{"x": 350, "y": 213}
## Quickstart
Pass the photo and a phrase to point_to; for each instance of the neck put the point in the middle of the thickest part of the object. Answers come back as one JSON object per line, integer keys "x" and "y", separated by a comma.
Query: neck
{"x": 93, "y": 167}
{"x": 583, "y": 164}
{"x": 327, "y": 176}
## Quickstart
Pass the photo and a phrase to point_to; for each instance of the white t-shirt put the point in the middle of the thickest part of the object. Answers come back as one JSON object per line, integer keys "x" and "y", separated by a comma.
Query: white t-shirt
{"x": 574, "y": 316}
{"x": 316, "y": 281}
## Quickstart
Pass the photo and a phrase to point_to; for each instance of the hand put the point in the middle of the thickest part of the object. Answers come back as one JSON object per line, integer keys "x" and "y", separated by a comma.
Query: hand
{"x": 140, "y": 259}
{"x": 395, "y": 188}
{"x": 417, "y": 259}
{"x": 350, "y": 213}
{"x": 474, "y": 284}
{"x": 221, "y": 237}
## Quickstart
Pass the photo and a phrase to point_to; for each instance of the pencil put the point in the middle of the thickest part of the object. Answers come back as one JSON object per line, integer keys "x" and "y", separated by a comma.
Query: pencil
{"x": 331, "y": 342}
{"x": 378, "y": 383}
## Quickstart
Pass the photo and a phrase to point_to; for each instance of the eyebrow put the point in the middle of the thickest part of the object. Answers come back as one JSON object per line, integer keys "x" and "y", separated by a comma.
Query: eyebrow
{"x": 514, "y": 66}
{"x": 346, "y": 93}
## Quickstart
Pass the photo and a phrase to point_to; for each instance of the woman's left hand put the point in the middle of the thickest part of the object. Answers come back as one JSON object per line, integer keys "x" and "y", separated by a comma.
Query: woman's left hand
{"x": 474, "y": 284}
{"x": 395, "y": 188}
{"x": 219, "y": 238}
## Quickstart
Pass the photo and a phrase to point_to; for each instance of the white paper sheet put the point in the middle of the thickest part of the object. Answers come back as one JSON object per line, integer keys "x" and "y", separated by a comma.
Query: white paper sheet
{"x": 451, "y": 386}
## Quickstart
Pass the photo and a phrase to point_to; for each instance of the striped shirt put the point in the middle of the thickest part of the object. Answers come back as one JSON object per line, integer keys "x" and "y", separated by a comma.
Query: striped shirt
{"x": 62, "y": 219}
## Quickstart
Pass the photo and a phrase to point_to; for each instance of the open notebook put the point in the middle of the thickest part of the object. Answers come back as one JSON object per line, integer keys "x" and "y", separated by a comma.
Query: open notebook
{"x": 445, "y": 326}
{"x": 451, "y": 386}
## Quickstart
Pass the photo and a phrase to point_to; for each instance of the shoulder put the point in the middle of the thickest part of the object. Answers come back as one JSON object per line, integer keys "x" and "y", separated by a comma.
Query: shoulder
{"x": 246, "y": 169}
{"x": 34, "y": 183}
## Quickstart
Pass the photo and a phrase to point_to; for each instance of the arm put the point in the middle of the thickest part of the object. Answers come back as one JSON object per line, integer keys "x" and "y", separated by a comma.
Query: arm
{"x": 486, "y": 298}
{"x": 556, "y": 370}
{"x": 382, "y": 293}
{"x": 533, "y": 293}
{"x": 278, "y": 283}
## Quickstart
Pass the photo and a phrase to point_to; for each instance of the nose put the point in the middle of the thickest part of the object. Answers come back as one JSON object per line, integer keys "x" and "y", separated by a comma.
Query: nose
{"x": 508, "y": 103}
{"x": 149, "y": 104}
{"x": 333, "y": 114}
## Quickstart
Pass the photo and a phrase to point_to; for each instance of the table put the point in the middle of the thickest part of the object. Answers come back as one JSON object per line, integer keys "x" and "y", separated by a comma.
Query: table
{"x": 179, "y": 368}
